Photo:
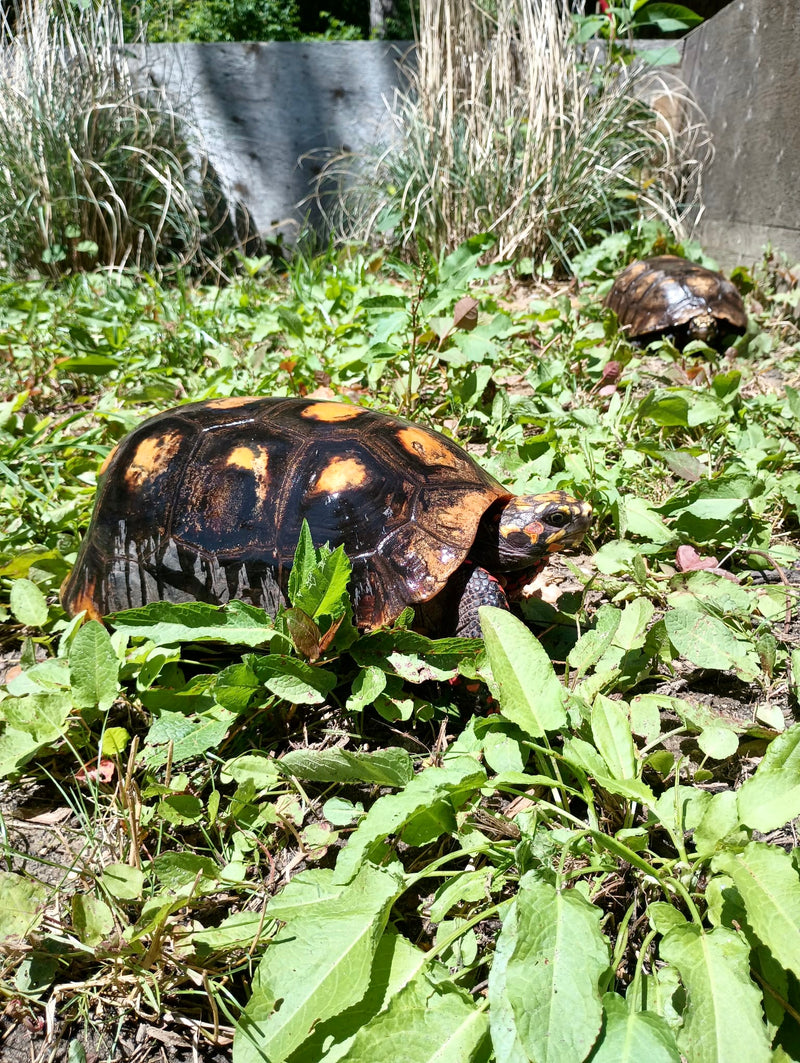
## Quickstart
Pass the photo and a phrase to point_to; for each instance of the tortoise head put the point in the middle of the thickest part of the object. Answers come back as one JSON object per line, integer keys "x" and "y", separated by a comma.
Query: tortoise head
{"x": 703, "y": 327}
{"x": 532, "y": 526}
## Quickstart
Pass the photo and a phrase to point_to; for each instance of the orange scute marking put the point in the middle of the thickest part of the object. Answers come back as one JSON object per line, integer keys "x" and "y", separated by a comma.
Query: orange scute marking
{"x": 152, "y": 457}
{"x": 331, "y": 411}
{"x": 107, "y": 460}
{"x": 256, "y": 460}
{"x": 342, "y": 474}
{"x": 534, "y": 529}
{"x": 426, "y": 446}
{"x": 83, "y": 603}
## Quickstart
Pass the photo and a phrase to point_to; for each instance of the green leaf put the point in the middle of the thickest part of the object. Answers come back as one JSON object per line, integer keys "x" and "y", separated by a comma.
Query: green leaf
{"x": 528, "y": 689}
{"x": 28, "y": 604}
{"x": 93, "y": 668}
{"x": 92, "y": 919}
{"x": 315, "y": 968}
{"x": 123, "y": 882}
{"x": 723, "y": 1019}
{"x": 769, "y": 885}
{"x": 552, "y": 975}
{"x": 708, "y": 642}
{"x": 294, "y": 680}
{"x": 423, "y": 810}
{"x": 22, "y": 906}
{"x": 718, "y": 742}
{"x": 425, "y": 1022}
{"x": 166, "y": 623}
{"x": 633, "y": 1036}
{"x": 771, "y": 798}
{"x": 384, "y": 767}
{"x": 611, "y": 731}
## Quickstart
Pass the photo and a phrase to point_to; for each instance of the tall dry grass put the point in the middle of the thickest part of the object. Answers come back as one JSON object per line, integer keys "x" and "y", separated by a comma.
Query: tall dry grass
{"x": 510, "y": 126}
{"x": 93, "y": 170}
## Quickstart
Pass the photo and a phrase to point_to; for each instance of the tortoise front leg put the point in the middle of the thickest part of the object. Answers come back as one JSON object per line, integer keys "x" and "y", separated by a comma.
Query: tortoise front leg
{"x": 480, "y": 588}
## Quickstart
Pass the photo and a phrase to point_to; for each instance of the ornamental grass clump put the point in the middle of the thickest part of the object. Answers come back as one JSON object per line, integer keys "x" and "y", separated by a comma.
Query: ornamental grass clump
{"x": 94, "y": 171}
{"x": 511, "y": 126}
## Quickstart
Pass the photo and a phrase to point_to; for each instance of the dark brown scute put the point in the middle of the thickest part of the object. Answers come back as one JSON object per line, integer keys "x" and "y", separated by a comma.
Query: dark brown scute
{"x": 206, "y": 502}
{"x": 654, "y": 295}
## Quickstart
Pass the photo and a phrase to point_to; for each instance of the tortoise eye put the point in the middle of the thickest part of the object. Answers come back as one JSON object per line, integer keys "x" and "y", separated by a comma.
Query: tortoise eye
{"x": 559, "y": 518}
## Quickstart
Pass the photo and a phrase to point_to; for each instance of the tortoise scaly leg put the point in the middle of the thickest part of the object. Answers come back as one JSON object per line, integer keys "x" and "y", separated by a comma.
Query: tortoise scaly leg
{"x": 480, "y": 588}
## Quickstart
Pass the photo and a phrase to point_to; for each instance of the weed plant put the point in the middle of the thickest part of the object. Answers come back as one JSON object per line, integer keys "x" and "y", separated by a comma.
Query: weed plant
{"x": 253, "y": 838}
{"x": 508, "y": 126}
{"x": 93, "y": 170}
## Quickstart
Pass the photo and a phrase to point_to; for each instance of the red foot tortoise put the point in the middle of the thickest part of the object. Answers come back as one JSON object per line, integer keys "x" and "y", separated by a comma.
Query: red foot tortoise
{"x": 205, "y": 503}
{"x": 667, "y": 295}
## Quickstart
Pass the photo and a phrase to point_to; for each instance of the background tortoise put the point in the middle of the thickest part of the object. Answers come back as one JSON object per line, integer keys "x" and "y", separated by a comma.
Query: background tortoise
{"x": 205, "y": 502}
{"x": 668, "y": 295}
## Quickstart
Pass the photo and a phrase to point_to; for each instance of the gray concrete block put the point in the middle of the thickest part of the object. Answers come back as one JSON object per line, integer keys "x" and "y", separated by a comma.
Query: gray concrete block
{"x": 743, "y": 69}
{"x": 261, "y": 108}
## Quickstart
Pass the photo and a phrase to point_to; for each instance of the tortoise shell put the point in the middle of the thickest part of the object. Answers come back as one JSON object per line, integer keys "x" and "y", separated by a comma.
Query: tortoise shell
{"x": 667, "y": 294}
{"x": 205, "y": 503}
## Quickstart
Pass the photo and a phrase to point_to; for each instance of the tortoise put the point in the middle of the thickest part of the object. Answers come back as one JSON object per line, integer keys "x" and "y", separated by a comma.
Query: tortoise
{"x": 205, "y": 502}
{"x": 668, "y": 295}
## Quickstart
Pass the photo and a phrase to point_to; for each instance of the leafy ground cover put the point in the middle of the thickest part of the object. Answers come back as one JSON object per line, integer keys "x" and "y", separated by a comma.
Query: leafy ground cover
{"x": 232, "y": 837}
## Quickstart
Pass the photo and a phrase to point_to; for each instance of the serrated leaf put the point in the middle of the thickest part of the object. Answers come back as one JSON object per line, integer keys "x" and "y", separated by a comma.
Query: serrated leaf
{"x": 93, "y": 668}
{"x": 706, "y": 641}
{"x": 633, "y": 1036}
{"x": 425, "y": 1022}
{"x": 294, "y": 680}
{"x": 430, "y": 798}
{"x": 28, "y": 604}
{"x": 384, "y": 767}
{"x": 769, "y": 885}
{"x": 528, "y": 690}
{"x": 315, "y": 968}
{"x": 771, "y": 797}
{"x": 553, "y": 972}
{"x": 723, "y": 1019}
{"x": 22, "y": 906}
{"x": 168, "y": 624}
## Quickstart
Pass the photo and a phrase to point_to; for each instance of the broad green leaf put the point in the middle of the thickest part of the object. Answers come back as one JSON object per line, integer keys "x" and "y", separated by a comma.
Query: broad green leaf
{"x": 505, "y": 1037}
{"x": 166, "y": 623}
{"x": 611, "y": 731}
{"x": 123, "y": 882}
{"x": 179, "y": 870}
{"x": 93, "y": 668}
{"x": 769, "y": 885}
{"x": 425, "y": 1022}
{"x": 642, "y": 520}
{"x": 22, "y": 905}
{"x": 92, "y": 919}
{"x": 771, "y": 797}
{"x": 315, "y": 968}
{"x": 294, "y": 680}
{"x": 528, "y": 689}
{"x": 708, "y": 642}
{"x": 718, "y": 742}
{"x": 553, "y": 972}
{"x": 32, "y": 722}
{"x": 723, "y": 1021}
{"x": 28, "y": 604}
{"x": 189, "y": 735}
{"x": 422, "y": 811}
{"x": 633, "y": 1036}
{"x": 384, "y": 767}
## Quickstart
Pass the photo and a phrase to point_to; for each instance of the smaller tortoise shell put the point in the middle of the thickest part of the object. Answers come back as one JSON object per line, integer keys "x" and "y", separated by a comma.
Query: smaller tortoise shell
{"x": 653, "y": 296}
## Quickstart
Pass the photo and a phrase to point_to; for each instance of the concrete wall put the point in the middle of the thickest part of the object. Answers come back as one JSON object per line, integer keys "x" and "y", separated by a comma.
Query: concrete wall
{"x": 743, "y": 67}
{"x": 262, "y": 107}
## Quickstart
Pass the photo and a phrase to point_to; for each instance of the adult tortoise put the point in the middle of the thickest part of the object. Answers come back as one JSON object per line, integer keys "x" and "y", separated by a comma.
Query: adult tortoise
{"x": 668, "y": 295}
{"x": 205, "y": 502}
